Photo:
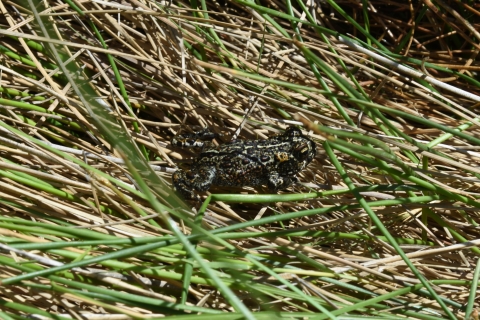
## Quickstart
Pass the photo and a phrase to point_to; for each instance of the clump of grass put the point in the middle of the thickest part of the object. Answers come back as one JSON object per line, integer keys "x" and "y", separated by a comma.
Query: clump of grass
{"x": 384, "y": 224}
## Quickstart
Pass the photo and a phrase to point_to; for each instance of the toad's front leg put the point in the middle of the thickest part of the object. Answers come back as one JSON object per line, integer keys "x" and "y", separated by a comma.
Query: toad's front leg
{"x": 185, "y": 182}
{"x": 277, "y": 182}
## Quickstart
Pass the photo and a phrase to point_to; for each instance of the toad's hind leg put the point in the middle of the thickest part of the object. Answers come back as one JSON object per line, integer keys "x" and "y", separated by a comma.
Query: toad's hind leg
{"x": 185, "y": 182}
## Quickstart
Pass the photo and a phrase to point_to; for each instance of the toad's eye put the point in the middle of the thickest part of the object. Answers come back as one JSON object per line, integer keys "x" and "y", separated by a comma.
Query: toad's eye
{"x": 302, "y": 151}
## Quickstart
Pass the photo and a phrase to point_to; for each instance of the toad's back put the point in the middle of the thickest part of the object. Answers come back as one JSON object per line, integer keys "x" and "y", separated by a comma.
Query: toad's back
{"x": 273, "y": 162}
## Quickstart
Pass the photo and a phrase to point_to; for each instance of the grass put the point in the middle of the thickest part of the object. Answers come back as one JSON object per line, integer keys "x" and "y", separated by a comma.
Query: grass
{"x": 383, "y": 225}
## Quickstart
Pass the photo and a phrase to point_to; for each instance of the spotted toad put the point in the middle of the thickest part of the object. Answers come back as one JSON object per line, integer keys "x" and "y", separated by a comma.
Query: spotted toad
{"x": 273, "y": 162}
